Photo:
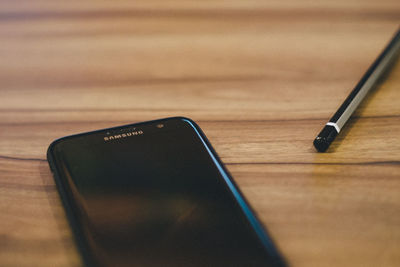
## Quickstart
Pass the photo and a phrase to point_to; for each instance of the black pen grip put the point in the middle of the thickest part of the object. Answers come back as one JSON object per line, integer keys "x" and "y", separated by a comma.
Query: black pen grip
{"x": 325, "y": 138}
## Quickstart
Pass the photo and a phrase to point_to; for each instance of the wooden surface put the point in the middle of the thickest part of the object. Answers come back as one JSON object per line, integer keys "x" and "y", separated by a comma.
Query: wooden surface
{"x": 260, "y": 78}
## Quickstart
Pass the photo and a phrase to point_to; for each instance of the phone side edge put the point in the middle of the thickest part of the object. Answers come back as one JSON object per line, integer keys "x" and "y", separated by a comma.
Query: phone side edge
{"x": 67, "y": 204}
{"x": 260, "y": 229}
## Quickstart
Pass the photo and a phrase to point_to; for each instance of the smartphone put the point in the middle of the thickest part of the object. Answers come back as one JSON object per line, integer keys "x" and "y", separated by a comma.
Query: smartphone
{"x": 156, "y": 194}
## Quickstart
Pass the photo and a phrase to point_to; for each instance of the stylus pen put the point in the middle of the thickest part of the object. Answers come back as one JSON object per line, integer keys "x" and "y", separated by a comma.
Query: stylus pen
{"x": 375, "y": 71}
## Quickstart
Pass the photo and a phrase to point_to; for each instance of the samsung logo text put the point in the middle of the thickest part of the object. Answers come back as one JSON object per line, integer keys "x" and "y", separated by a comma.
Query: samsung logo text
{"x": 123, "y": 135}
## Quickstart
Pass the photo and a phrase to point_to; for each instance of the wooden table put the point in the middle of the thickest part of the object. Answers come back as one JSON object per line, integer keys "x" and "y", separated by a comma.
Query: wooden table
{"x": 261, "y": 78}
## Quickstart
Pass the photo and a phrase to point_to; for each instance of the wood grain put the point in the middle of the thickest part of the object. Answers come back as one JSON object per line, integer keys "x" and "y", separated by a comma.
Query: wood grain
{"x": 261, "y": 78}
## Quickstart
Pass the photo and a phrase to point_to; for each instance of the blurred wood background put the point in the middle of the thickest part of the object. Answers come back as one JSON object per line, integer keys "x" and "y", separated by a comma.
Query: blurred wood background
{"x": 260, "y": 77}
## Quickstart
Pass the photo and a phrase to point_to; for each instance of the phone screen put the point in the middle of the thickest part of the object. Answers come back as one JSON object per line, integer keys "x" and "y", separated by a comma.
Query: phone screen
{"x": 155, "y": 194}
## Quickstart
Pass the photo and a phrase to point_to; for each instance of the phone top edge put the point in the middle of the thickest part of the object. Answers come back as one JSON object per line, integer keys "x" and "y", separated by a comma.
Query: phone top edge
{"x": 64, "y": 138}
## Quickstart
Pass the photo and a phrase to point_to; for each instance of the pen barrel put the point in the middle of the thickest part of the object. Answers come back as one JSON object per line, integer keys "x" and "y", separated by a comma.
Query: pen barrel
{"x": 325, "y": 138}
{"x": 367, "y": 82}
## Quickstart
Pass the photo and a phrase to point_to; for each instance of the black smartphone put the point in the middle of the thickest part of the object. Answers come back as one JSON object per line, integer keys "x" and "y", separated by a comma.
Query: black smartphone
{"x": 156, "y": 194}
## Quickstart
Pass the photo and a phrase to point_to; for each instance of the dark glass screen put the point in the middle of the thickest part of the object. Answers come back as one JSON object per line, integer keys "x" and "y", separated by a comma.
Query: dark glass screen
{"x": 157, "y": 197}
